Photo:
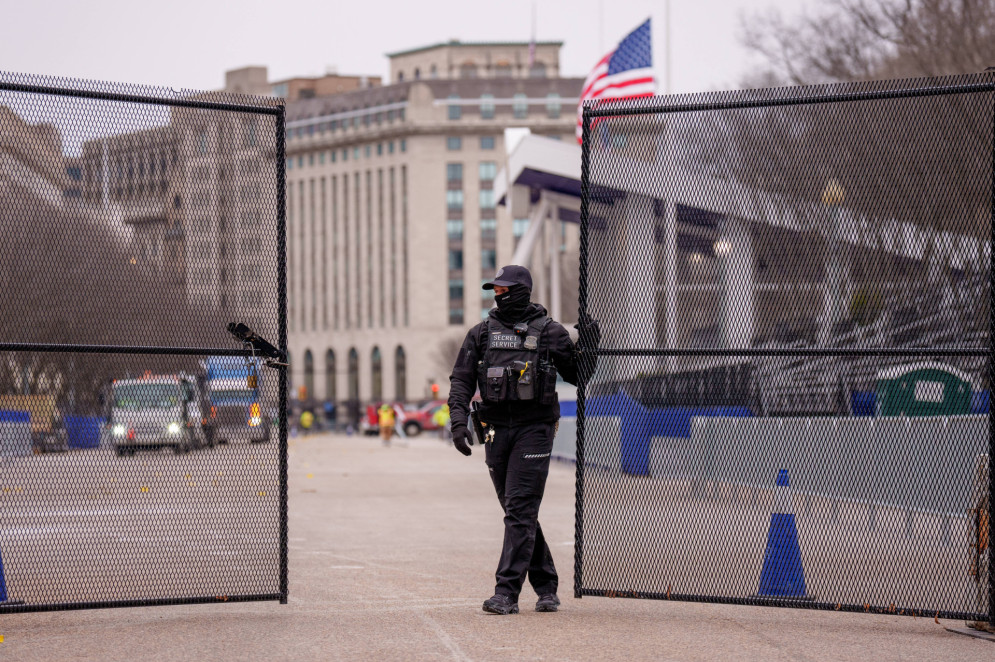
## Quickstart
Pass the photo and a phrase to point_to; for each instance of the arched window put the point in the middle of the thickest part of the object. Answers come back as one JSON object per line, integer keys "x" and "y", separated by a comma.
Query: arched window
{"x": 353, "y": 374}
{"x": 330, "y": 393}
{"x": 376, "y": 373}
{"x": 308, "y": 375}
{"x": 290, "y": 377}
{"x": 468, "y": 70}
{"x": 400, "y": 375}
{"x": 537, "y": 70}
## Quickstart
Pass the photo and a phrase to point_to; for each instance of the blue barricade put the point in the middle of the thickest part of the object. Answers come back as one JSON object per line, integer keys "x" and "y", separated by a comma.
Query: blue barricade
{"x": 640, "y": 424}
{"x": 83, "y": 431}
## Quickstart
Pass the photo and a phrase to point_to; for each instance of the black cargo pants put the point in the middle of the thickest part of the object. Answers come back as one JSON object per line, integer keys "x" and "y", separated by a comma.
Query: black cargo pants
{"x": 518, "y": 460}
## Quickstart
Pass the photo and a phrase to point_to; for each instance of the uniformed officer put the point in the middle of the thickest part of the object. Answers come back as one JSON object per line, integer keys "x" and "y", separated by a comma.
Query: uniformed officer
{"x": 513, "y": 357}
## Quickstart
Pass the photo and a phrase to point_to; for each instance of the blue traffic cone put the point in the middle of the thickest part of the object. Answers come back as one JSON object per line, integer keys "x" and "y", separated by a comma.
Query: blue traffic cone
{"x": 783, "y": 575}
{"x": 4, "y": 599}
{"x": 3, "y": 583}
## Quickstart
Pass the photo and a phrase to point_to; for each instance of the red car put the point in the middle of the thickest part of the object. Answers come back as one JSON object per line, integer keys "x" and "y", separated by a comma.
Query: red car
{"x": 422, "y": 418}
{"x": 413, "y": 421}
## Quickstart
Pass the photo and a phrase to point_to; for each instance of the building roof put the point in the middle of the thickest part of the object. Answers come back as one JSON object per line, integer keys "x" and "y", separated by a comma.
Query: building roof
{"x": 501, "y": 88}
{"x": 456, "y": 43}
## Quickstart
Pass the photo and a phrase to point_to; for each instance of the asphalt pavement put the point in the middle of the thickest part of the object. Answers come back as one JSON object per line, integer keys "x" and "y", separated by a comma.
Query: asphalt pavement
{"x": 392, "y": 552}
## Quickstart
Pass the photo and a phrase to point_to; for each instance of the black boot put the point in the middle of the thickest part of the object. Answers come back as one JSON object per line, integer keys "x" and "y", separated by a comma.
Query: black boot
{"x": 500, "y": 604}
{"x": 547, "y": 602}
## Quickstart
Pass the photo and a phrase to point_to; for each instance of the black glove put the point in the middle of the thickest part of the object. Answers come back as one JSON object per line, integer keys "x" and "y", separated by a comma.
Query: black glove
{"x": 462, "y": 439}
{"x": 588, "y": 332}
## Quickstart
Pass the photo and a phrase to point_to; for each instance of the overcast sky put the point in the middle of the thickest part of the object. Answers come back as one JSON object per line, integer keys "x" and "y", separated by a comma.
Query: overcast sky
{"x": 190, "y": 43}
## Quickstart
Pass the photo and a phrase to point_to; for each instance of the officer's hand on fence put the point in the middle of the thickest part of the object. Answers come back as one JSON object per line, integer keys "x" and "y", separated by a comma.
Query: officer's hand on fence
{"x": 462, "y": 439}
{"x": 588, "y": 331}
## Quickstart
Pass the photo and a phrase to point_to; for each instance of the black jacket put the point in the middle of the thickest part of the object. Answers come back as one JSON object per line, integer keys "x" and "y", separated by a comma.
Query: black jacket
{"x": 463, "y": 381}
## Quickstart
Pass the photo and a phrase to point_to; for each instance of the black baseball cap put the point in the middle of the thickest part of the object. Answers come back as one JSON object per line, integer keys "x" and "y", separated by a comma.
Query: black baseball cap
{"x": 510, "y": 275}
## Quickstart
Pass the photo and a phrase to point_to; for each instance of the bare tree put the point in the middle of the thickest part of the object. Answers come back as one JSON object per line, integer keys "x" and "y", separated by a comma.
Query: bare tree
{"x": 849, "y": 40}
{"x": 444, "y": 356}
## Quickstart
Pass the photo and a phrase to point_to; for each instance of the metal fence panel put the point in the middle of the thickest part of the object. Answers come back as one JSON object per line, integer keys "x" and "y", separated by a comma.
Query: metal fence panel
{"x": 794, "y": 293}
{"x": 143, "y": 454}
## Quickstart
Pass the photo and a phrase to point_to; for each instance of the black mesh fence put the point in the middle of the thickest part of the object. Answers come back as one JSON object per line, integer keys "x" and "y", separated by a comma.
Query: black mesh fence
{"x": 791, "y": 404}
{"x": 142, "y": 445}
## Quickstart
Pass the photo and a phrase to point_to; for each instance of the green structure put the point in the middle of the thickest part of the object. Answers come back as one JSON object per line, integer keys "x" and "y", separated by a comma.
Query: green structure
{"x": 923, "y": 389}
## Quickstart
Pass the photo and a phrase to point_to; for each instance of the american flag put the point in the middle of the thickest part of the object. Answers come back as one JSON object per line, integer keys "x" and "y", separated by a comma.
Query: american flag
{"x": 626, "y": 72}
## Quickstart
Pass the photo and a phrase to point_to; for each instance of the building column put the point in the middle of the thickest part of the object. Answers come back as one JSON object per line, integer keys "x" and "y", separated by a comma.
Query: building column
{"x": 638, "y": 286}
{"x": 735, "y": 251}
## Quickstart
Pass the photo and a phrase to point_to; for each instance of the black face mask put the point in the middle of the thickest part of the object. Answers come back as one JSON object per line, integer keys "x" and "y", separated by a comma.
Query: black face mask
{"x": 512, "y": 304}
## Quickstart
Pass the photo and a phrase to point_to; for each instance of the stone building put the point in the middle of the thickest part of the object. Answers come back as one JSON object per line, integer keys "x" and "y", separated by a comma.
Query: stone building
{"x": 392, "y": 221}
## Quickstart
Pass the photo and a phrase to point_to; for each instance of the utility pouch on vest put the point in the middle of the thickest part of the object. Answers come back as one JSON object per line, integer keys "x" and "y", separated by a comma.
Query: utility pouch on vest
{"x": 496, "y": 385}
{"x": 524, "y": 375}
{"x": 546, "y": 376}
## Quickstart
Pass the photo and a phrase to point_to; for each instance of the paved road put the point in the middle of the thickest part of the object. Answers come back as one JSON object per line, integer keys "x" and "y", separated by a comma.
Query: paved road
{"x": 392, "y": 550}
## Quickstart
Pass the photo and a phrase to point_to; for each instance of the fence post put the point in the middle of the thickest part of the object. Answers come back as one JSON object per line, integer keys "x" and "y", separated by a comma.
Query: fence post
{"x": 991, "y": 380}
{"x": 585, "y": 161}
{"x": 281, "y": 258}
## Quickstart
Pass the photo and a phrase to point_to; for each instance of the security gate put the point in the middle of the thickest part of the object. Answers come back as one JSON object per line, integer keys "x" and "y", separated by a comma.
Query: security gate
{"x": 792, "y": 396}
{"x": 143, "y": 436}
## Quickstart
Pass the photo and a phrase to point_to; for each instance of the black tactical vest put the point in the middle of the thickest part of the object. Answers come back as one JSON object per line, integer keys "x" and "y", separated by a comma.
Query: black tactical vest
{"x": 512, "y": 367}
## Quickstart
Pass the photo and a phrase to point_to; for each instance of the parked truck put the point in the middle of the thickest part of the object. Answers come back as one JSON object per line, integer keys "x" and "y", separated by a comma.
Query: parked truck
{"x": 159, "y": 411}
{"x": 239, "y": 410}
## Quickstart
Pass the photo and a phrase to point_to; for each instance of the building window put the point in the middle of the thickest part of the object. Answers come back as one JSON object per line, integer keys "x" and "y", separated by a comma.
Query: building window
{"x": 488, "y": 259}
{"x": 487, "y": 198}
{"x": 502, "y": 70}
{"x": 332, "y": 153}
{"x": 455, "y": 110}
{"x": 454, "y": 229}
{"x": 454, "y": 172}
{"x": 290, "y": 164}
{"x": 486, "y": 142}
{"x": 345, "y": 155}
{"x": 330, "y": 394}
{"x": 455, "y": 259}
{"x": 455, "y": 289}
{"x": 454, "y": 200}
{"x": 454, "y": 143}
{"x": 334, "y": 124}
{"x": 553, "y": 106}
{"x": 519, "y": 226}
{"x": 379, "y": 149}
{"x": 310, "y": 159}
{"x": 400, "y": 375}
{"x": 368, "y": 151}
{"x": 537, "y": 70}
{"x": 202, "y": 143}
{"x": 488, "y": 228}
{"x": 355, "y": 153}
{"x": 307, "y": 392}
{"x": 404, "y": 145}
{"x": 376, "y": 374}
{"x": 456, "y": 315}
{"x": 520, "y": 106}
{"x": 488, "y": 171}
{"x": 417, "y": 73}
{"x": 433, "y": 72}
{"x": 487, "y": 106}
{"x": 468, "y": 70}
{"x": 321, "y": 158}
{"x": 354, "y": 383}
{"x": 300, "y": 161}
{"x": 390, "y": 147}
